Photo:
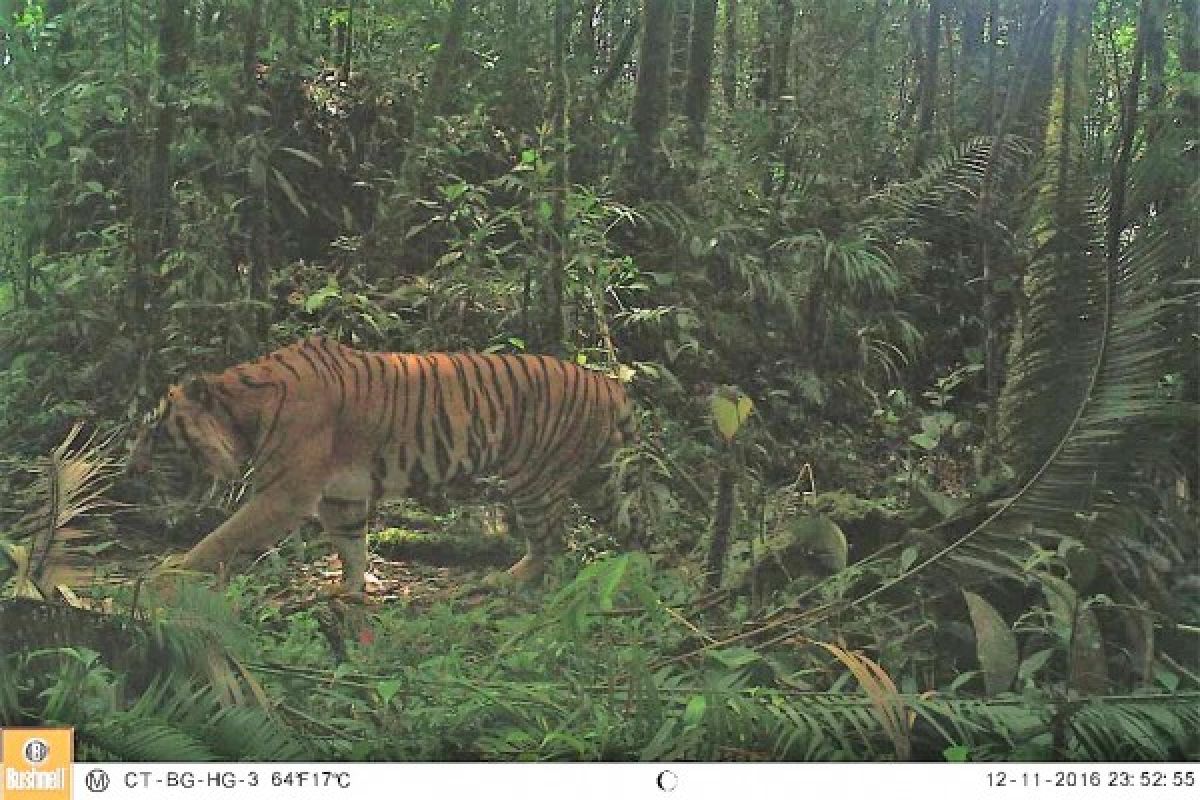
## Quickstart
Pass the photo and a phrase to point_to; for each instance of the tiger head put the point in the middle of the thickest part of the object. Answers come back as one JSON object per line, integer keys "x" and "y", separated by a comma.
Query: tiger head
{"x": 192, "y": 418}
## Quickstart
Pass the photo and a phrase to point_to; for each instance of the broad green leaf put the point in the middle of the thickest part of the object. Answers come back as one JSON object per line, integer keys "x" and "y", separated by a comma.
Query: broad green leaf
{"x": 924, "y": 440}
{"x": 995, "y": 644}
{"x": 1032, "y": 665}
{"x": 694, "y": 713}
{"x": 387, "y": 689}
{"x": 730, "y": 409}
{"x": 957, "y": 754}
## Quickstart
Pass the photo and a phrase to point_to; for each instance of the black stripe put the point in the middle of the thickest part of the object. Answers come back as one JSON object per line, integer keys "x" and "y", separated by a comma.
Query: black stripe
{"x": 398, "y": 385}
{"x": 332, "y": 362}
{"x": 313, "y": 366}
{"x": 235, "y": 424}
{"x": 520, "y": 460}
{"x": 485, "y": 388}
{"x": 266, "y": 437}
{"x": 418, "y": 428}
{"x": 250, "y": 383}
{"x": 283, "y": 362}
{"x": 562, "y": 461}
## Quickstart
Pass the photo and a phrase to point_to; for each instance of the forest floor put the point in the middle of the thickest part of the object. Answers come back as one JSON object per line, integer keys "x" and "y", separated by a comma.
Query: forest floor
{"x": 404, "y": 565}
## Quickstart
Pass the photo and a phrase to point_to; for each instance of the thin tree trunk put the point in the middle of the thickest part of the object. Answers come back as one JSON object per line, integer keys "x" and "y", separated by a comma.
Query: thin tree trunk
{"x": 700, "y": 66}
{"x": 680, "y": 50}
{"x": 258, "y": 248}
{"x": 911, "y": 98}
{"x": 1189, "y": 61}
{"x": 1156, "y": 68}
{"x": 729, "y": 73}
{"x": 782, "y": 58}
{"x": 154, "y": 233}
{"x": 928, "y": 89}
{"x": 1118, "y": 185}
{"x": 651, "y": 96}
{"x": 1018, "y": 91}
{"x": 588, "y": 51}
{"x": 721, "y": 528}
{"x": 553, "y": 331}
{"x": 347, "y": 42}
{"x": 619, "y": 59}
{"x": 447, "y": 57}
{"x": 989, "y": 125}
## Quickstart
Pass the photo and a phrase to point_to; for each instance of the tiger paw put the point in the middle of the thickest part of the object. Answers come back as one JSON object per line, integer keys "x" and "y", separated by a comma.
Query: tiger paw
{"x": 342, "y": 593}
{"x": 526, "y": 571}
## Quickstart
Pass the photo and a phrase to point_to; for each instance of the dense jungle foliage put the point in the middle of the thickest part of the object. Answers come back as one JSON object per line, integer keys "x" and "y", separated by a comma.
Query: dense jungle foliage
{"x": 904, "y": 290}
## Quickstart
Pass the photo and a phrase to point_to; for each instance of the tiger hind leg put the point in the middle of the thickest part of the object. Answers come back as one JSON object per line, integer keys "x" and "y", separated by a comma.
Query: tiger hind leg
{"x": 345, "y": 523}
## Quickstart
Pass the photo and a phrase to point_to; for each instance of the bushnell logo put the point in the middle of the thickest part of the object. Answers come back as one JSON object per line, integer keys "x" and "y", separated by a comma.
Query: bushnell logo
{"x": 36, "y": 763}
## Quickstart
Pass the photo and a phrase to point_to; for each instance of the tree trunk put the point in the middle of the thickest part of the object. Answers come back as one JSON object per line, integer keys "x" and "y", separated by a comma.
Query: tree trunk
{"x": 782, "y": 57}
{"x": 721, "y": 529}
{"x": 553, "y": 331}
{"x": 700, "y": 67}
{"x": 258, "y": 248}
{"x": 910, "y": 98}
{"x": 588, "y": 52}
{"x": 680, "y": 39}
{"x": 989, "y": 121}
{"x": 153, "y": 234}
{"x": 1119, "y": 182}
{"x": 447, "y": 57}
{"x": 1036, "y": 61}
{"x": 347, "y": 42}
{"x": 1189, "y": 61}
{"x": 650, "y": 100}
{"x": 927, "y": 90}
{"x": 1156, "y": 68}
{"x": 620, "y": 58}
{"x": 729, "y": 72}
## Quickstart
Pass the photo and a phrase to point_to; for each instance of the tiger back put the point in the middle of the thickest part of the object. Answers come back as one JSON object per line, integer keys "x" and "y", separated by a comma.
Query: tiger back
{"x": 331, "y": 429}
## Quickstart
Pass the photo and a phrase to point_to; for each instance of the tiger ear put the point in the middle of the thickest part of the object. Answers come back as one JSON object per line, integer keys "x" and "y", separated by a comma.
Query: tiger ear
{"x": 196, "y": 390}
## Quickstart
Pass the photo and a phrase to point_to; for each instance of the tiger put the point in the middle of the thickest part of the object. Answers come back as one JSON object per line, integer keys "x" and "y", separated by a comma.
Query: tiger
{"x": 331, "y": 430}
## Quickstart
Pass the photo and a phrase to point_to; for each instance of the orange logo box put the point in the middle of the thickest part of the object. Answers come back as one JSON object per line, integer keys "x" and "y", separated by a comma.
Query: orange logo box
{"x": 35, "y": 763}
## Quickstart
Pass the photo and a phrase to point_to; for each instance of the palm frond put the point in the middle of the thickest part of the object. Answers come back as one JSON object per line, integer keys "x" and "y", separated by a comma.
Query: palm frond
{"x": 942, "y": 202}
{"x": 70, "y": 484}
{"x": 180, "y": 721}
{"x": 1088, "y": 375}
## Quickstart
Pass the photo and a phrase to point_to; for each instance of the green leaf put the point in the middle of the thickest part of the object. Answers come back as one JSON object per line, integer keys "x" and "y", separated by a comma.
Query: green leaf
{"x": 316, "y": 300}
{"x": 730, "y": 409}
{"x": 612, "y": 581}
{"x": 735, "y": 657}
{"x": 957, "y": 754}
{"x": 1032, "y": 665}
{"x": 924, "y": 440}
{"x": 694, "y": 713}
{"x": 995, "y": 644}
{"x": 288, "y": 191}
{"x": 302, "y": 155}
{"x": 387, "y": 690}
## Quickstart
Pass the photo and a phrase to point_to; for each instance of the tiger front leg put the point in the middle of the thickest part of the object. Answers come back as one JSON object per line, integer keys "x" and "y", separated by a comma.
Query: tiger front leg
{"x": 345, "y": 523}
{"x": 260, "y": 523}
